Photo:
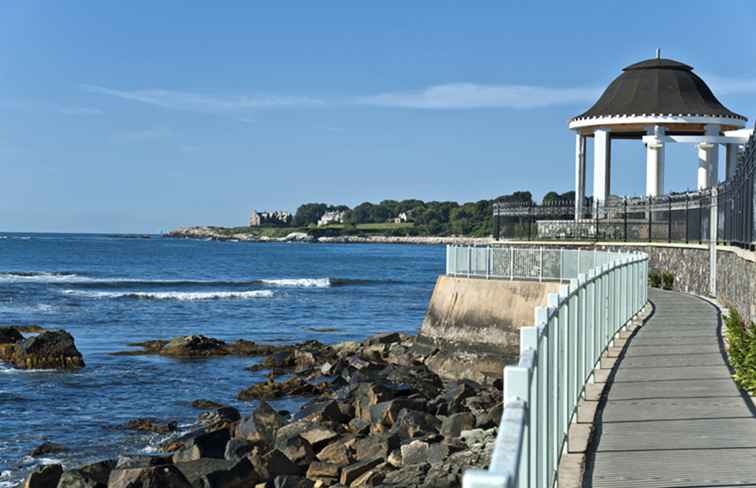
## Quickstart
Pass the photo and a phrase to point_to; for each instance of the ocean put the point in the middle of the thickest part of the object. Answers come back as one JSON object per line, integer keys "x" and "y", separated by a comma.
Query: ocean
{"x": 108, "y": 291}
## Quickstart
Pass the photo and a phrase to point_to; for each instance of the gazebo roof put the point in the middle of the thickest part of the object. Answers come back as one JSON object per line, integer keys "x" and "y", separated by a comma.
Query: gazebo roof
{"x": 658, "y": 87}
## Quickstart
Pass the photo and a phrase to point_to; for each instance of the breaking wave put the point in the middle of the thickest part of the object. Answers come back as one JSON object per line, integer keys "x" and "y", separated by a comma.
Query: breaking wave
{"x": 175, "y": 295}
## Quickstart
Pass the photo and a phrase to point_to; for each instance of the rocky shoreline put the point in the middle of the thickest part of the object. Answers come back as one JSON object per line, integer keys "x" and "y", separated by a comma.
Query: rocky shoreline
{"x": 220, "y": 234}
{"x": 375, "y": 415}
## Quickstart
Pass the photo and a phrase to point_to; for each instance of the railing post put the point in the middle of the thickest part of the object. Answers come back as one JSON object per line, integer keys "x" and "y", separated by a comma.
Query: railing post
{"x": 542, "y": 374}
{"x": 528, "y": 343}
{"x": 511, "y": 263}
{"x": 540, "y": 276}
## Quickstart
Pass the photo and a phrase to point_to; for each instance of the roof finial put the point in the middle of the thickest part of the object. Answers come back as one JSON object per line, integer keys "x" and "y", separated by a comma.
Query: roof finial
{"x": 658, "y": 53}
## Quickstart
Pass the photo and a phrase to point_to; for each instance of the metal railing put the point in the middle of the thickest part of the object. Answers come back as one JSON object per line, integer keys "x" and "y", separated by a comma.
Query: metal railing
{"x": 517, "y": 263}
{"x": 557, "y": 358}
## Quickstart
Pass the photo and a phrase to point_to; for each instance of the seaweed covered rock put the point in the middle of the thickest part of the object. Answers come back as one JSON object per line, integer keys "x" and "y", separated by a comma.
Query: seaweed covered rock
{"x": 194, "y": 346}
{"x": 52, "y": 349}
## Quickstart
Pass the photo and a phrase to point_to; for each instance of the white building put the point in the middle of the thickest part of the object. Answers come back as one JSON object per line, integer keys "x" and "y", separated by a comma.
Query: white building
{"x": 657, "y": 101}
{"x": 334, "y": 217}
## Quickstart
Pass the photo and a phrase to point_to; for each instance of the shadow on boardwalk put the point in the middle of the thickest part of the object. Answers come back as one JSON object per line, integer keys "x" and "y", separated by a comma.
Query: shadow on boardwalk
{"x": 672, "y": 416}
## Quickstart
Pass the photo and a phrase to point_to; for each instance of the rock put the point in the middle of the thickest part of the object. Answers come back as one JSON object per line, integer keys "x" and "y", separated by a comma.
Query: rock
{"x": 411, "y": 423}
{"x": 455, "y": 423}
{"x": 270, "y": 389}
{"x": 353, "y": 471}
{"x": 395, "y": 458}
{"x": 407, "y": 477}
{"x": 194, "y": 346}
{"x": 241, "y": 475}
{"x": 319, "y": 435}
{"x": 195, "y": 470}
{"x": 267, "y": 421}
{"x": 289, "y": 481}
{"x": 10, "y": 335}
{"x": 383, "y": 415}
{"x": 323, "y": 470}
{"x": 47, "y": 448}
{"x": 375, "y": 445}
{"x": 46, "y": 476}
{"x": 206, "y": 404}
{"x": 166, "y": 476}
{"x": 151, "y": 425}
{"x": 237, "y": 448}
{"x": 458, "y": 392}
{"x": 473, "y": 436}
{"x": 130, "y": 462}
{"x": 99, "y": 471}
{"x": 76, "y": 479}
{"x": 323, "y": 410}
{"x": 221, "y": 418}
{"x": 298, "y": 450}
{"x": 274, "y": 463}
{"x": 359, "y": 426}
{"x": 207, "y": 445}
{"x": 338, "y": 452}
{"x": 53, "y": 349}
{"x": 490, "y": 417}
{"x": 416, "y": 452}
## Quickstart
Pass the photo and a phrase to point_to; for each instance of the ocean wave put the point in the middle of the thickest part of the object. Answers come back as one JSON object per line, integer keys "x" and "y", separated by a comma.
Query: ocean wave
{"x": 42, "y": 276}
{"x": 300, "y": 282}
{"x": 175, "y": 295}
{"x": 89, "y": 282}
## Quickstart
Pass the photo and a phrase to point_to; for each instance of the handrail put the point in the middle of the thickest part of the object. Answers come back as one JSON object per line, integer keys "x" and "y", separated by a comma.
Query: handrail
{"x": 557, "y": 359}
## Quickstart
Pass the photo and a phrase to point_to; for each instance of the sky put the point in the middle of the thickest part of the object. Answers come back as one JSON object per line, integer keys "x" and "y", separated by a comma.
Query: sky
{"x": 145, "y": 116}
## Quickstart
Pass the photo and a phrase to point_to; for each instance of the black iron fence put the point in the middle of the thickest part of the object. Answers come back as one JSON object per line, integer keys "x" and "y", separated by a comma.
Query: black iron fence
{"x": 676, "y": 217}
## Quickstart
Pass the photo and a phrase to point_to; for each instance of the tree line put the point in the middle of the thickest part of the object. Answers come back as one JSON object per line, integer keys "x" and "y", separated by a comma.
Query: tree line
{"x": 429, "y": 218}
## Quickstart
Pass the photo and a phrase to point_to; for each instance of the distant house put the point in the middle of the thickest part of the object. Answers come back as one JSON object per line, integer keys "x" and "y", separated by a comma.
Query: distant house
{"x": 276, "y": 217}
{"x": 403, "y": 217}
{"x": 333, "y": 217}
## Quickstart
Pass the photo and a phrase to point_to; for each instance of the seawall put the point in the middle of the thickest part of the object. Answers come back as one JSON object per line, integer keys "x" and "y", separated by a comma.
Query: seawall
{"x": 471, "y": 327}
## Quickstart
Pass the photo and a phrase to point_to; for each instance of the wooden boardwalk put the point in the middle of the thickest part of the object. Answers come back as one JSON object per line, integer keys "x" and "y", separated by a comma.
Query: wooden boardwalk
{"x": 672, "y": 416}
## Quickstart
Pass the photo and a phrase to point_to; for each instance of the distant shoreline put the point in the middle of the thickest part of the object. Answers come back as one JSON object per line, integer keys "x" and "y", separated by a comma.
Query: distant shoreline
{"x": 222, "y": 234}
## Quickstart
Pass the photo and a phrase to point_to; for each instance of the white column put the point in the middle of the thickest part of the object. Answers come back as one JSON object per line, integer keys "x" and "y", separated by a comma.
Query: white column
{"x": 655, "y": 163}
{"x": 602, "y": 153}
{"x": 579, "y": 175}
{"x": 713, "y": 130}
{"x": 731, "y": 160}
{"x": 704, "y": 165}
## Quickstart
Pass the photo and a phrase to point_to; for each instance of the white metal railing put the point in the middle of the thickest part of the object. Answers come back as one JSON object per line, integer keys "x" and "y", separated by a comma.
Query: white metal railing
{"x": 517, "y": 263}
{"x": 557, "y": 358}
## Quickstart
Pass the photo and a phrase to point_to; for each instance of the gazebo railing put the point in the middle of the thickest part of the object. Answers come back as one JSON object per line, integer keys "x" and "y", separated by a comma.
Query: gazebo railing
{"x": 557, "y": 358}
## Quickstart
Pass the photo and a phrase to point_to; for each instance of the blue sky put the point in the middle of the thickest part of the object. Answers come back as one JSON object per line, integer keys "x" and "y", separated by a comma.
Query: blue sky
{"x": 142, "y": 116}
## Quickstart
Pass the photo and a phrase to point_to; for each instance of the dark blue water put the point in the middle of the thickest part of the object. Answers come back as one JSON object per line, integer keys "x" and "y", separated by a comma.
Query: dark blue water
{"x": 109, "y": 291}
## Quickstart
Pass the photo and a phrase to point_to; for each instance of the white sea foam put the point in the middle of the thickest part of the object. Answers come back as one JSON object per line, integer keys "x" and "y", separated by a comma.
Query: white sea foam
{"x": 300, "y": 282}
{"x": 44, "y": 277}
{"x": 174, "y": 295}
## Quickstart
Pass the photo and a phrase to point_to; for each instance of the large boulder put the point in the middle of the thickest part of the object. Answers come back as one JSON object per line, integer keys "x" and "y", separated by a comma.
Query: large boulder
{"x": 46, "y": 476}
{"x": 10, "y": 335}
{"x": 77, "y": 479}
{"x": 52, "y": 349}
{"x": 206, "y": 445}
{"x": 194, "y": 346}
{"x": 165, "y": 476}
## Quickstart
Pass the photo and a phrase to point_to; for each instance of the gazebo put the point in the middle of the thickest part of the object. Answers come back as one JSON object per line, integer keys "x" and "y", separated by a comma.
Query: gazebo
{"x": 657, "y": 101}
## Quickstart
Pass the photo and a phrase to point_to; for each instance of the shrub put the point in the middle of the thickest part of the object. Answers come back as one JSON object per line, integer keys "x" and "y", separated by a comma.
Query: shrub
{"x": 742, "y": 341}
{"x": 667, "y": 280}
{"x": 654, "y": 278}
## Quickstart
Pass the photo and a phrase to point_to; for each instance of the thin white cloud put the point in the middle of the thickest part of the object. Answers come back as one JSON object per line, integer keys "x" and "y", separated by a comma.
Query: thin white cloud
{"x": 472, "y": 95}
{"x": 198, "y": 102}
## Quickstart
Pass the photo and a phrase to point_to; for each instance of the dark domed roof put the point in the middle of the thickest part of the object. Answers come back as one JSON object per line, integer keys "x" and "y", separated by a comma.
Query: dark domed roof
{"x": 658, "y": 87}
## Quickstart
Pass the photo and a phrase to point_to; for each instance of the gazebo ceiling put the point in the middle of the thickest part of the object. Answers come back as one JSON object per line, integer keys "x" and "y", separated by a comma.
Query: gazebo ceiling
{"x": 658, "y": 91}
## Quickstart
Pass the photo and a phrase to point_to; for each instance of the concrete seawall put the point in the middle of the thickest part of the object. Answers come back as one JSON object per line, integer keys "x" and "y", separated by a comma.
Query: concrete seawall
{"x": 471, "y": 327}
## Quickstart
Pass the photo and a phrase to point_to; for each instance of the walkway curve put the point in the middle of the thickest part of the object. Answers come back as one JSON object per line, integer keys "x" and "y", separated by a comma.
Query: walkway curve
{"x": 672, "y": 415}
